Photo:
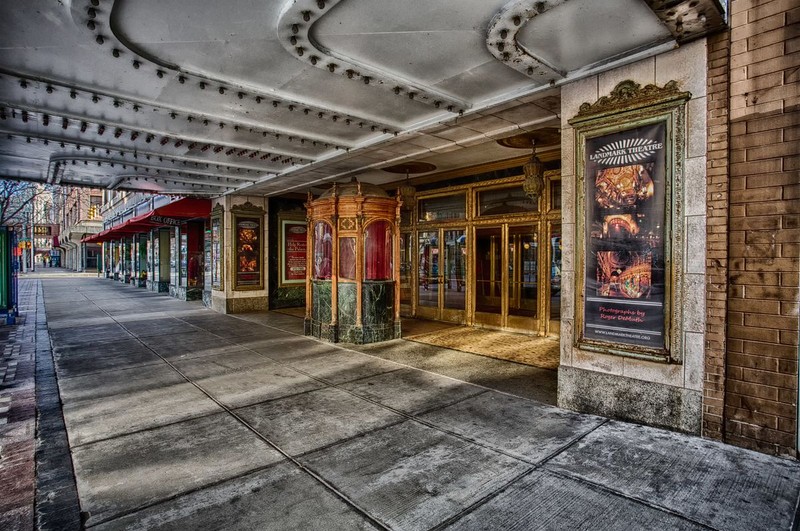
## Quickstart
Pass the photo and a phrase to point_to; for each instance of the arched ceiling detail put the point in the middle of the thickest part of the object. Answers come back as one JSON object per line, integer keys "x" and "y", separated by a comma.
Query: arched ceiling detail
{"x": 209, "y": 97}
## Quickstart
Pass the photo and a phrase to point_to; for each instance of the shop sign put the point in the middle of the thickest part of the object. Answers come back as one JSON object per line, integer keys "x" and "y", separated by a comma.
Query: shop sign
{"x": 162, "y": 220}
{"x": 625, "y": 270}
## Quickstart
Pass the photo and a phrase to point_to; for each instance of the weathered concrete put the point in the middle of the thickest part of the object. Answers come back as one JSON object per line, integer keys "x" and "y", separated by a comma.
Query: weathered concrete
{"x": 129, "y": 472}
{"x": 624, "y": 398}
{"x": 412, "y": 477}
{"x": 542, "y": 501}
{"x": 522, "y": 428}
{"x": 302, "y": 423}
{"x": 412, "y": 391}
{"x": 244, "y": 424}
{"x": 266, "y": 382}
{"x": 279, "y": 498}
{"x": 718, "y": 485}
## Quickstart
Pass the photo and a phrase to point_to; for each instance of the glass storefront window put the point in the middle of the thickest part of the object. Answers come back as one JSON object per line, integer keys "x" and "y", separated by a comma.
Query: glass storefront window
{"x": 347, "y": 258}
{"x": 378, "y": 251}
{"x": 428, "y": 256}
{"x": 455, "y": 269}
{"x": 555, "y": 272}
{"x": 509, "y": 200}
{"x": 444, "y": 208}
{"x": 405, "y": 268}
{"x": 323, "y": 251}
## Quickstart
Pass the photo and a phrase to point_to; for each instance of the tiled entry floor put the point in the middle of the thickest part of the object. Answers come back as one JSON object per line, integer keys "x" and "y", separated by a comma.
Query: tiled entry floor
{"x": 181, "y": 418}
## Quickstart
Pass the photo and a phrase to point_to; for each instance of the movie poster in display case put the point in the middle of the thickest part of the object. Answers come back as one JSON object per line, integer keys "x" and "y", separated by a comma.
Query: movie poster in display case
{"x": 247, "y": 250}
{"x": 625, "y": 274}
{"x": 215, "y": 251}
{"x": 293, "y": 248}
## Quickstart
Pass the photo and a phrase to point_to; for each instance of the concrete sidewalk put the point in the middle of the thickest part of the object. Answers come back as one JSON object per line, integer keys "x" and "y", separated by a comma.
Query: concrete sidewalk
{"x": 182, "y": 418}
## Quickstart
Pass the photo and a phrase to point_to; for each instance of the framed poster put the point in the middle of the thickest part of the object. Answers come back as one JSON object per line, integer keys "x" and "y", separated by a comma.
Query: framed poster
{"x": 293, "y": 244}
{"x": 215, "y": 260}
{"x": 248, "y": 249}
{"x": 184, "y": 257}
{"x": 629, "y": 236}
{"x": 625, "y": 277}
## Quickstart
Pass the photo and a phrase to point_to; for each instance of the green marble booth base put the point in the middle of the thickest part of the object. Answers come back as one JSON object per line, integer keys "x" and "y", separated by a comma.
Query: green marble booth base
{"x": 207, "y": 299}
{"x": 324, "y": 331}
{"x": 377, "y": 313}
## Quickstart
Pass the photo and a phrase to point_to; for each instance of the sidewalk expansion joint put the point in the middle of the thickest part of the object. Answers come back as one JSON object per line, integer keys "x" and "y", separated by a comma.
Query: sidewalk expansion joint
{"x": 374, "y": 521}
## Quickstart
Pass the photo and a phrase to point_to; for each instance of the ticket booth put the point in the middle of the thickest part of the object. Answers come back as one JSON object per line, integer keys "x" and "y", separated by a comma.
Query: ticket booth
{"x": 353, "y": 279}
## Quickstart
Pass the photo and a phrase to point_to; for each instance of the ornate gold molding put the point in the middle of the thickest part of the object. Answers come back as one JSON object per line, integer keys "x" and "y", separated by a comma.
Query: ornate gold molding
{"x": 629, "y": 95}
{"x": 247, "y": 208}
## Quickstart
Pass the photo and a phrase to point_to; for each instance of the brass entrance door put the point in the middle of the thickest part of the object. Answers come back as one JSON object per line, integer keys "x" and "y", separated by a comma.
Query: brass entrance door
{"x": 507, "y": 288}
{"x": 441, "y": 274}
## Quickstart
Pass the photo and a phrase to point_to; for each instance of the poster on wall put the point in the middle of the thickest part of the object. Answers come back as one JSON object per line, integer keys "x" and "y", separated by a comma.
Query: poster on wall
{"x": 294, "y": 243}
{"x": 216, "y": 253}
{"x": 248, "y": 252}
{"x": 625, "y": 267}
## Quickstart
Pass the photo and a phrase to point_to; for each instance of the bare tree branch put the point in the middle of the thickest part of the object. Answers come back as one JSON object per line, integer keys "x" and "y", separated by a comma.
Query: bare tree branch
{"x": 15, "y": 196}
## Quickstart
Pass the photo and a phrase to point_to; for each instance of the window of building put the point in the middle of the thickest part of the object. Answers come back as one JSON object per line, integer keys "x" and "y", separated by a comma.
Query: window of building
{"x": 449, "y": 207}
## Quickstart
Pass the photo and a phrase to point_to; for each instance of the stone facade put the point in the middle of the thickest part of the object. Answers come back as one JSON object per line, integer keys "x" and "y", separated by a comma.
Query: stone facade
{"x": 738, "y": 380}
{"x": 664, "y": 394}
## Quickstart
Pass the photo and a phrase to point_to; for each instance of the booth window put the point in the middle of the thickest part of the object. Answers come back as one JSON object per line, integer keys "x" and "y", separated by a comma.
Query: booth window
{"x": 378, "y": 251}
{"x": 323, "y": 250}
{"x": 347, "y": 258}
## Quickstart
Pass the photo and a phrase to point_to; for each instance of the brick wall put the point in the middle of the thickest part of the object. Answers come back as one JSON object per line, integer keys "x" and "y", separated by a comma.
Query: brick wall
{"x": 717, "y": 183}
{"x": 760, "y": 373}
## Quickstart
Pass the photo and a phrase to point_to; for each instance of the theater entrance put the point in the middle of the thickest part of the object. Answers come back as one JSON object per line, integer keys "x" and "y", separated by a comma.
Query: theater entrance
{"x": 485, "y": 254}
{"x": 517, "y": 279}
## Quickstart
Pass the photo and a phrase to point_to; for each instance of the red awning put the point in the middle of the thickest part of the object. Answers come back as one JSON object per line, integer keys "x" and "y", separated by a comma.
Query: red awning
{"x": 164, "y": 216}
{"x": 175, "y": 212}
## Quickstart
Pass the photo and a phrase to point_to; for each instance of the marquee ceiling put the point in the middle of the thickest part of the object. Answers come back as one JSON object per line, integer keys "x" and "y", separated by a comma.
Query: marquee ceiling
{"x": 263, "y": 97}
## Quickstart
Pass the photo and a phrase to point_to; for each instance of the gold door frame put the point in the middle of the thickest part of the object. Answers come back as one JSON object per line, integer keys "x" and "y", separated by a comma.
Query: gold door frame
{"x": 548, "y": 216}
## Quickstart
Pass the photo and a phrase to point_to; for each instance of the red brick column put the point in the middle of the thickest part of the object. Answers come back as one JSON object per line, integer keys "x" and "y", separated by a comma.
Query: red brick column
{"x": 760, "y": 376}
{"x": 716, "y": 235}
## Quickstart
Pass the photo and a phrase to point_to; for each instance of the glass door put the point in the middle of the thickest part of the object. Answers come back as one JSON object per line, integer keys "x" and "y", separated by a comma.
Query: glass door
{"x": 489, "y": 276}
{"x": 522, "y": 310}
{"x": 507, "y": 267}
{"x": 453, "y": 274}
{"x": 441, "y": 270}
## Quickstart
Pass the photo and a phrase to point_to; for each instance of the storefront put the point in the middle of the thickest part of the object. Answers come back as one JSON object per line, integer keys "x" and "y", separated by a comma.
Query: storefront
{"x": 162, "y": 249}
